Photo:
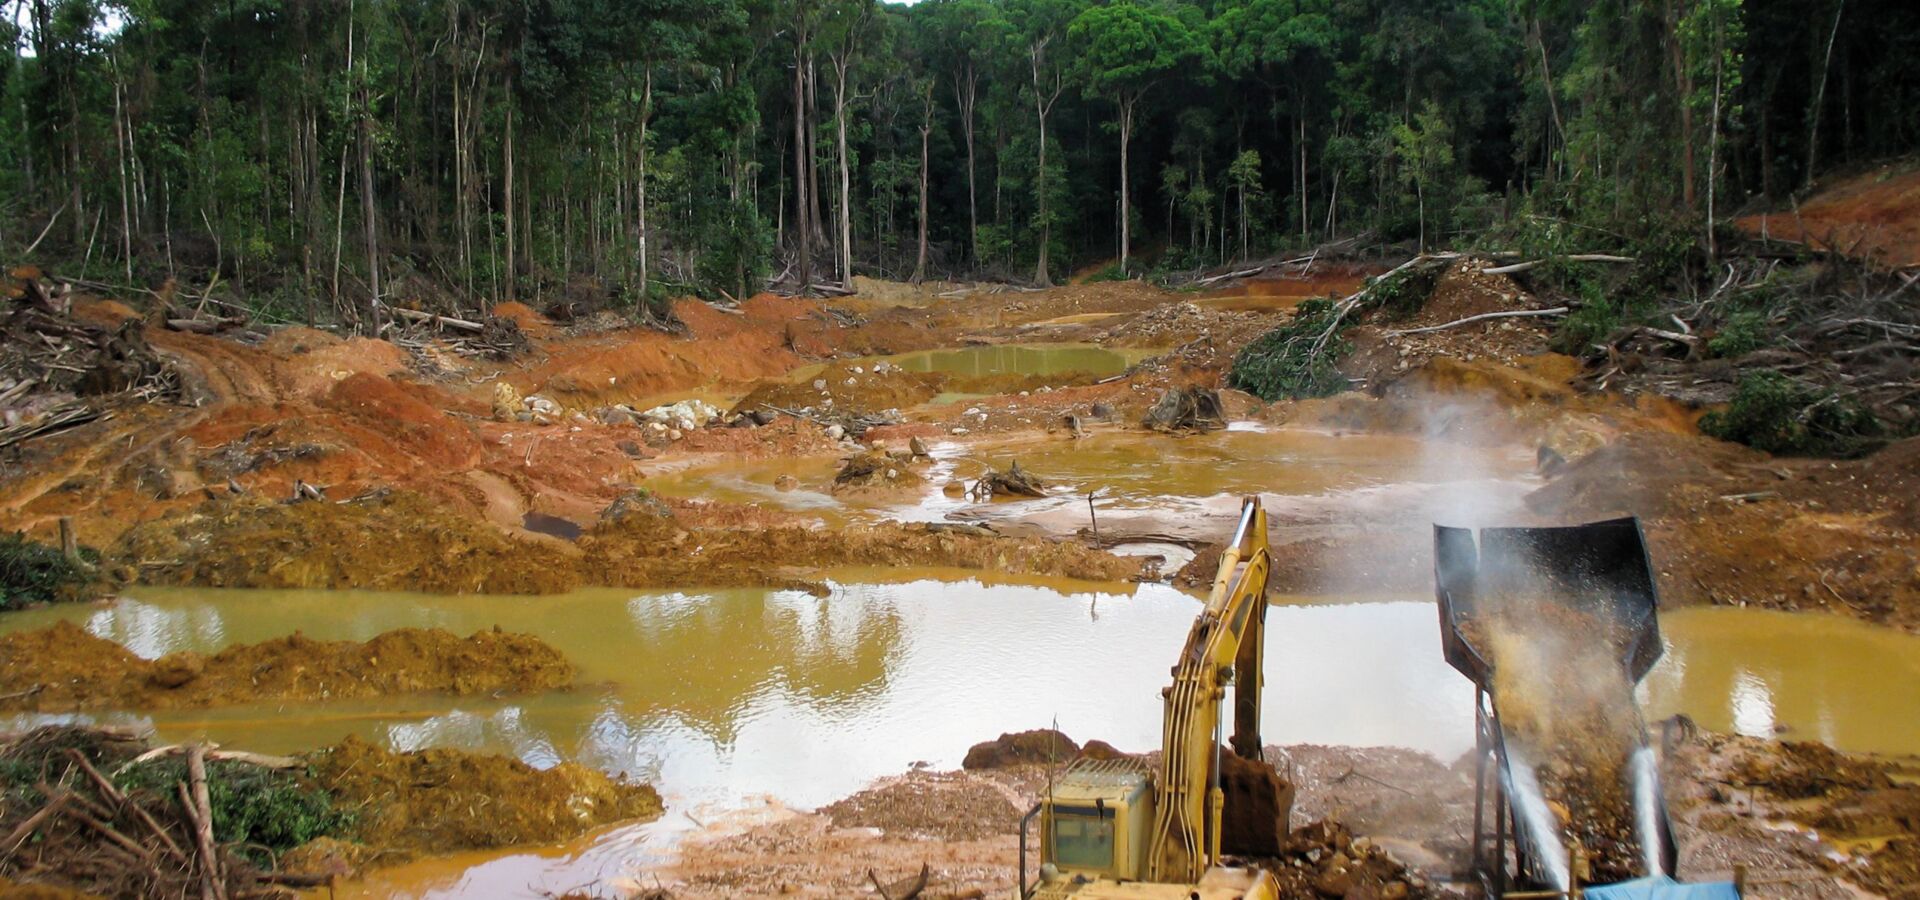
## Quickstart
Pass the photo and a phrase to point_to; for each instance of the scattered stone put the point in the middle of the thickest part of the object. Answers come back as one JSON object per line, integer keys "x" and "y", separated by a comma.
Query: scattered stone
{"x": 918, "y": 448}
{"x": 786, "y": 483}
{"x": 506, "y": 401}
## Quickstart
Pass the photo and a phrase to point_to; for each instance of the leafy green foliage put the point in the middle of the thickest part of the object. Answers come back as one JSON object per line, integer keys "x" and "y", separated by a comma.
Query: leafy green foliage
{"x": 1787, "y": 416}
{"x": 255, "y": 807}
{"x": 1744, "y": 332}
{"x": 1281, "y": 364}
{"x": 32, "y": 572}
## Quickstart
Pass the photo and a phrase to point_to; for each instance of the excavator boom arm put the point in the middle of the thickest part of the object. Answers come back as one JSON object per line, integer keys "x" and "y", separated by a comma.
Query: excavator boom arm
{"x": 1224, "y": 647}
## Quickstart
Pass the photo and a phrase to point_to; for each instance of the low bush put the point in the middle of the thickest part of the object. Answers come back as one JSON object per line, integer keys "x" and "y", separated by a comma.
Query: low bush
{"x": 32, "y": 572}
{"x": 1789, "y": 417}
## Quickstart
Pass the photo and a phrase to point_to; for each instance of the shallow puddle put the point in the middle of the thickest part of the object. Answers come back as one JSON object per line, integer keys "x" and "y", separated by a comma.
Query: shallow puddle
{"x": 724, "y": 699}
{"x": 1148, "y": 483}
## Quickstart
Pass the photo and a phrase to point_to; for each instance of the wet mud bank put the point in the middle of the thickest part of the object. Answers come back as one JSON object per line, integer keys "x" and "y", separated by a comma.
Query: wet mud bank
{"x": 63, "y": 668}
{"x": 404, "y": 542}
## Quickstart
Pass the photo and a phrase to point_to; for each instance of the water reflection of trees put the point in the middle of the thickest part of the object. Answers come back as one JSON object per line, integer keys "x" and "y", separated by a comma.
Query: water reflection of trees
{"x": 704, "y": 659}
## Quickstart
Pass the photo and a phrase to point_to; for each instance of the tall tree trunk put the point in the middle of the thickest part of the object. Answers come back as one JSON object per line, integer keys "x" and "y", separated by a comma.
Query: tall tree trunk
{"x": 120, "y": 146}
{"x": 926, "y": 132}
{"x": 506, "y": 205}
{"x": 367, "y": 199}
{"x": 1043, "y": 104}
{"x": 803, "y": 243}
{"x": 1683, "y": 88}
{"x": 840, "y": 64}
{"x": 966, "y": 91}
{"x": 640, "y": 180}
{"x": 1126, "y": 213}
{"x": 1820, "y": 96}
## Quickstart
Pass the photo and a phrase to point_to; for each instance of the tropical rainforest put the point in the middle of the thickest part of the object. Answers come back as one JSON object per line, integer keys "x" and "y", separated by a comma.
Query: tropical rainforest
{"x": 325, "y": 158}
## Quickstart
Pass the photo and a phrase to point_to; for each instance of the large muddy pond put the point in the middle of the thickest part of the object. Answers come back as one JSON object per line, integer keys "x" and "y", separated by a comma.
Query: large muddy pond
{"x": 717, "y": 695}
{"x": 728, "y": 699}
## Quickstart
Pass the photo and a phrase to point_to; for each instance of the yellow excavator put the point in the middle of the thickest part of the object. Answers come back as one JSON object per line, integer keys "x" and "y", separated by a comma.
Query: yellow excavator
{"x": 1112, "y": 829}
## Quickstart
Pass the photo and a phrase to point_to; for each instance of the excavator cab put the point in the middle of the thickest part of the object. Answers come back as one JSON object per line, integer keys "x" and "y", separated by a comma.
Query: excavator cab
{"x": 1097, "y": 821}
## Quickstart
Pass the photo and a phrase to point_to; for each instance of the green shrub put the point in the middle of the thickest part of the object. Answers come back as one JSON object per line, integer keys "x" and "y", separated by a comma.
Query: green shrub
{"x": 32, "y": 572}
{"x": 255, "y": 807}
{"x": 1402, "y": 294}
{"x": 1743, "y": 333}
{"x": 1790, "y": 417}
{"x": 1111, "y": 273}
{"x": 1280, "y": 364}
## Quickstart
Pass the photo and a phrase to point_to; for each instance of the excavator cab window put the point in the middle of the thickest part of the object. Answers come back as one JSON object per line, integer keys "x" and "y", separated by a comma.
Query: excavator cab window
{"x": 1082, "y": 838}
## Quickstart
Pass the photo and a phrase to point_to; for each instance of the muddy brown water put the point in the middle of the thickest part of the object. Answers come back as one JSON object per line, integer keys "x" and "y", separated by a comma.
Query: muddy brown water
{"x": 734, "y": 702}
{"x": 1187, "y": 488}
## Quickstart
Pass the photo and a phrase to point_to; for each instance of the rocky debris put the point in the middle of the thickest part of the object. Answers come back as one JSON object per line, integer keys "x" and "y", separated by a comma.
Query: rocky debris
{"x": 684, "y": 416}
{"x": 1189, "y": 410}
{"x": 636, "y": 502}
{"x": 1324, "y": 859}
{"x": 875, "y": 469}
{"x": 62, "y": 668}
{"x": 1042, "y": 746}
{"x": 1014, "y": 482}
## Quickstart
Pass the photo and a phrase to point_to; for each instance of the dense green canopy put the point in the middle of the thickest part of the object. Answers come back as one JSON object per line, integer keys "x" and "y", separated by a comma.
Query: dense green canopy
{"x": 313, "y": 153}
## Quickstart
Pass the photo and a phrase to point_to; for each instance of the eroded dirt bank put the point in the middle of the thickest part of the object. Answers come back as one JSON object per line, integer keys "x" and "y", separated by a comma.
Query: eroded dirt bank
{"x": 63, "y": 668}
{"x": 403, "y": 542}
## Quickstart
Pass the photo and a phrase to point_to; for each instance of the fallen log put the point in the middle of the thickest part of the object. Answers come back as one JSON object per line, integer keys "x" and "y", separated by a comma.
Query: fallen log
{"x": 1516, "y": 268}
{"x": 1519, "y": 313}
{"x": 414, "y": 315}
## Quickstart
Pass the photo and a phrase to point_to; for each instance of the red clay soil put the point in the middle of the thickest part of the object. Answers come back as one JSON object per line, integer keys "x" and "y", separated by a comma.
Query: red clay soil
{"x": 63, "y": 668}
{"x": 1874, "y": 215}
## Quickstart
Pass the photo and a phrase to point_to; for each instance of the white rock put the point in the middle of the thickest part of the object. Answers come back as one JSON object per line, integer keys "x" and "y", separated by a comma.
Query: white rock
{"x": 835, "y": 432}
{"x": 958, "y": 431}
{"x": 972, "y": 411}
{"x": 819, "y": 384}
{"x": 859, "y": 371}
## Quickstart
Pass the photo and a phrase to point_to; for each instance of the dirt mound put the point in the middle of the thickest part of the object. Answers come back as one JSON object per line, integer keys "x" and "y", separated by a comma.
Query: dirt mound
{"x": 1733, "y": 526}
{"x": 1023, "y": 748}
{"x": 438, "y": 801}
{"x": 1324, "y": 859}
{"x": 876, "y": 471}
{"x": 396, "y": 542}
{"x": 642, "y": 553}
{"x": 845, "y": 389}
{"x": 939, "y": 806}
{"x": 63, "y": 668}
{"x": 420, "y": 429}
{"x": 1874, "y": 215}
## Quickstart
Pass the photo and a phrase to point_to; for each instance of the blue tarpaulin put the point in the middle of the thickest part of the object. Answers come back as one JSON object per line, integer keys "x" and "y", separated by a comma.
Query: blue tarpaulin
{"x": 1660, "y": 887}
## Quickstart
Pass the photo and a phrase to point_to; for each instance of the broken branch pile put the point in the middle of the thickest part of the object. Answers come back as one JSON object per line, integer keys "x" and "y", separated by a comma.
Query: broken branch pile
{"x": 57, "y": 371}
{"x": 75, "y": 818}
